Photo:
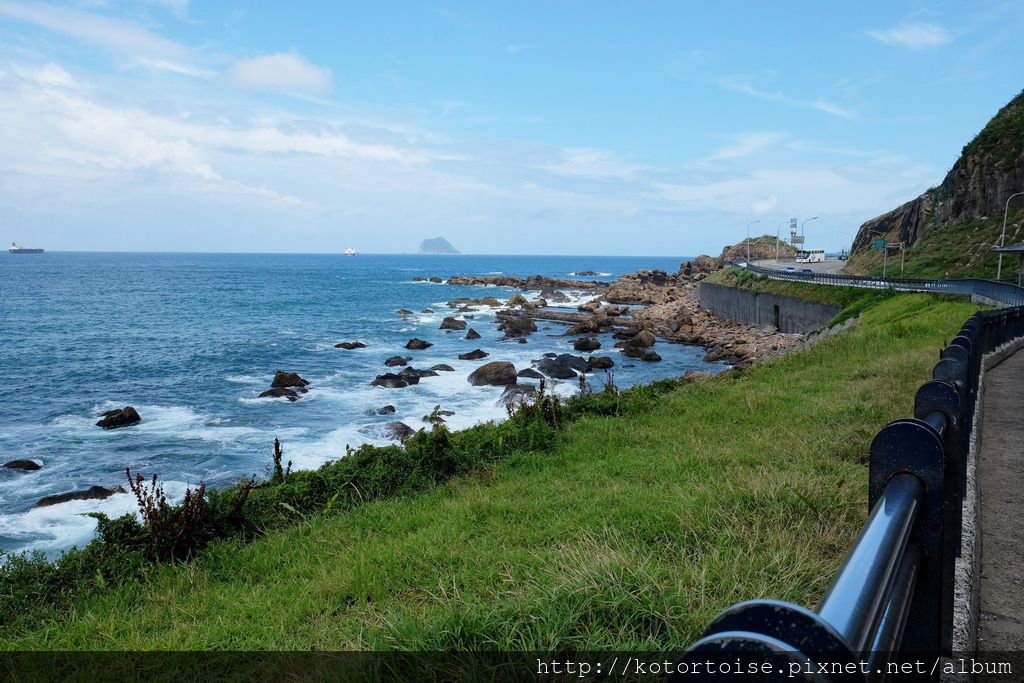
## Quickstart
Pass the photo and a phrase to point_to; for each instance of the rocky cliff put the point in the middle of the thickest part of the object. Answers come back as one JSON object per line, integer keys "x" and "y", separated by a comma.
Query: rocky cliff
{"x": 989, "y": 170}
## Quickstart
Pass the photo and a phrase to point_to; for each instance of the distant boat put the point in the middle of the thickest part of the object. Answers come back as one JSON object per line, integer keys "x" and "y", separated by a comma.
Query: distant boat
{"x": 18, "y": 249}
{"x": 350, "y": 251}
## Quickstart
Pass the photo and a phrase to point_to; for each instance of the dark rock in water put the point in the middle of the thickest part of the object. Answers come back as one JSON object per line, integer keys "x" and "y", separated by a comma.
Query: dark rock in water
{"x": 472, "y": 334}
{"x": 587, "y": 344}
{"x": 390, "y": 381}
{"x": 436, "y": 280}
{"x": 549, "y": 354}
{"x": 427, "y": 310}
{"x": 385, "y": 410}
{"x": 522, "y": 340}
{"x": 600, "y": 362}
{"x": 281, "y": 392}
{"x": 417, "y": 344}
{"x": 26, "y": 465}
{"x": 574, "y": 362}
{"x": 530, "y": 373}
{"x": 412, "y": 375}
{"x": 495, "y": 373}
{"x": 586, "y": 273}
{"x": 475, "y": 354}
{"x": 396, "y": 361}
{"x": 290, "y": 380}
{"x": 488, "y": 301}
{"x": 642, "y": 339}
{"x": 441, "y": 367}
{"x": 557, "y": 370}
{"x": 451, "y": 323}
{"x": 517, "y": 393}
{"x": 403, "y": 311}
{"x": 518, "y": 326}
{"x": 348, "y": 346}
{"x": 553, "y": 295}
{"x": 639, "y": 352}
{"x": 419, "y": 279}
{"x": 91, "y": 493}
{"x": 399, "y": 430}
{"x": 122, "y": 417}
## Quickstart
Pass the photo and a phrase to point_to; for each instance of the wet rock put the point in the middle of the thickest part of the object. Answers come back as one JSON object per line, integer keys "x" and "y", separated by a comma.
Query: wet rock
{"x": 436, "y": 280}
{"x": 642, "y": 339}
{"x": 384, "y": 410}
{"x": 24, "y": 465}
{"x": 349, "y": 345}
{"x": 557, "y": 370}
{"x": 472, "y": 334}
{"x": 575, "y": 362}
{"x": 489, "y": 301}
{"x": 121, "y": 417}
{"x": 281, "y": 392}
{"x": 518, "y": 326}
{"x": 451, "y": 323}
{"x": 411, "y": 374}
{"x": 495, "y": 373}
{"x": 399, "y": 431}
{"x": 441, "y": 367}
{"x": 403, "y": 311}
{"x": 517, "y": 393}
{"x": 600, "y": 362}
{"x": 530, "y": 373}
{"x": 91, "y": 493}
{"x": 396, "y": 361}
{"x": 517, "y": 301}
{"x": 587, "y": 273}
{"x": 641, "y": 353}
{"x": 427, "y": 310}
{"x": 587, "y": 344}
{"x": 697, "y": 376}
{"x": 391, "y": 381}
{"x": 475, "y": 354}
{"x": 290, "y": 380}
{"x": 417, "y": 344}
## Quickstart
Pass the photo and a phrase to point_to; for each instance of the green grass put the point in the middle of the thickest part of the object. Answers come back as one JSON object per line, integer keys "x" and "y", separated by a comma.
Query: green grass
{"x": 852, "y": 299}
{"x": 631, "y": 532}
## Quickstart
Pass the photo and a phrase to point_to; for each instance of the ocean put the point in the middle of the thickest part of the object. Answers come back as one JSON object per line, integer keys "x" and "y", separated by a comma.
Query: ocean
{"x": 190, "y": 340}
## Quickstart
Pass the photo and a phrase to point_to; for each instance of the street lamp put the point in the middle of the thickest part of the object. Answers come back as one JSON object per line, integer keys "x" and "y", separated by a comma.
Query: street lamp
{"x": 748, "y": 238}
{"x": 805, "y": 223}
{"x": 777, "y": 231}
{"x": 1002, "y": 237}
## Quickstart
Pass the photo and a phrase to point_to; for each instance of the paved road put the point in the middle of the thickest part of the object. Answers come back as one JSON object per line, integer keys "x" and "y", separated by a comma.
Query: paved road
{"x": 829, "y": 266}
{"x": 1001, "y": 481}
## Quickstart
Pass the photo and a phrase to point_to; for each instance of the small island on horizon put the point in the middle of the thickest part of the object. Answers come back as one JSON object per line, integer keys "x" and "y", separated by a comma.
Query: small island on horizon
{"x": 437, "y": 245}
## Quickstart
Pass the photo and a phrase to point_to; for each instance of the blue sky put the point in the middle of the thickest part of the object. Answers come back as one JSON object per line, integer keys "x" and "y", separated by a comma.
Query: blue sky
{"x": 635, "y": 128}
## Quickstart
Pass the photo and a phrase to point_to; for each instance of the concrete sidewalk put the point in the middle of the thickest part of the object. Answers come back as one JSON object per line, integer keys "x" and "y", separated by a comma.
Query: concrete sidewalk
{"x": 1001, "y": 485}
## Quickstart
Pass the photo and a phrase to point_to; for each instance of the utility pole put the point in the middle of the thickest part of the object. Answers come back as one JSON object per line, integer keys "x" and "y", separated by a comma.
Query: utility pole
{"x": 748, "y": 238}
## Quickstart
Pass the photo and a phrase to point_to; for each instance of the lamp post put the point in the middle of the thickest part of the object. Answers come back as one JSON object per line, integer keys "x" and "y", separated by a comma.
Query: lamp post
{"x": 777, "y": 231}
{"x": 1002, "y": 237}
{"x": 805, "y": 223}
{"x": 748, "y": 238}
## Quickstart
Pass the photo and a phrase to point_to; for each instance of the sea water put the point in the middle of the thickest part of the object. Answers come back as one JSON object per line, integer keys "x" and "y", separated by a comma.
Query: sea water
{"x": 191, "y": 340}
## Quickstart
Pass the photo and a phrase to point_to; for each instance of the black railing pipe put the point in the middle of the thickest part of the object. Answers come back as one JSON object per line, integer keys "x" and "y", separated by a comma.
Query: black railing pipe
{"x": 860, "y": 594}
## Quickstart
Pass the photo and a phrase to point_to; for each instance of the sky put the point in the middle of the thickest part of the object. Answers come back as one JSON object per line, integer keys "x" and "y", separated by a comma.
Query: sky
{"x": 618, "y": 128}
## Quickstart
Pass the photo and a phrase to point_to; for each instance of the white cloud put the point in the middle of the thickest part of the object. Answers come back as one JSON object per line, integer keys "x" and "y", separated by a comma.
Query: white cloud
{"x": 760, "y": 207}
{"x": 589, "y": 162}
{"x": 111, "y": 34}
{"x": 281, "y": 72}
{"x": 745, "y": 85}
{"x": 832, "y": 108}
{"x": 913, "y": 36}
{"x": 745, "y": 145}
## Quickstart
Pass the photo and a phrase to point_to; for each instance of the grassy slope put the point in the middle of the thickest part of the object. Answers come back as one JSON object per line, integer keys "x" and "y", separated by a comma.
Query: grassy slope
{"x": 632, "y": 533}
{"x": 839, "y": 296}
{"x": 964, "y": 250}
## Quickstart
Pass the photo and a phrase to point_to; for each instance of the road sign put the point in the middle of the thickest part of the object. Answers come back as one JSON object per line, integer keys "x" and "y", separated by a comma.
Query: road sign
{"x": 878, "y": 244}
{"x": 797, "y": 239}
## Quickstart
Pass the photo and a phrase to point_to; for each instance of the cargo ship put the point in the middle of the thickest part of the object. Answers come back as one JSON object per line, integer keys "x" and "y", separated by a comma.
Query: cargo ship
{"x": 18, "y": 249}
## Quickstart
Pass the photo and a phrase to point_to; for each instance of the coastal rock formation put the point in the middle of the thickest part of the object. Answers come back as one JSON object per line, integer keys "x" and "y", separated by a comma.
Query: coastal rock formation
{"x": 399, "y": 431}
{"x": 697, "y": 376}
{"x": 427, "y": 310}
{"x": 517, "y": 393}
{"x": 600, "y": 362}
{"x": 281, "y": 392}
{"x": 530, "y": 373}
{"x": 417, "y": 344}
{"x": 121, "y": 417}
{"x": 385, "y": 410}
{"x": 586, "y": 344}
{"x": 392, "y": 381}
{"x": 91, "y": 493}
{"x": 517, "y": 325}
{"x": 289, "y": 380}
{"x": 348, "y": 345}
{"x": 472, "y": 334}
{"x": 475, "y": 354}
{"x": 441, "y": 367}
{"x": 451, "y": 323}
{"x": 495, "y": 373}
{"x": 396, "y": 361}
{"x": 534, "y": 282}
{"x": 24, "y": 465}
{"x": 403, "y": 311}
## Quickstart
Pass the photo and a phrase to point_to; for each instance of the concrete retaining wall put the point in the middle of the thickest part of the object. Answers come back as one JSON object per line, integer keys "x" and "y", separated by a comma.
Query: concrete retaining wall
{"x": 783, "y": 312}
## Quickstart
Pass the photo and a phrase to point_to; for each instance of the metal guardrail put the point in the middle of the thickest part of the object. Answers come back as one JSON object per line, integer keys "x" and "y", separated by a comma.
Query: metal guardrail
{"x": 893, "y": 598}
{"x": 1005, "y": 293}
